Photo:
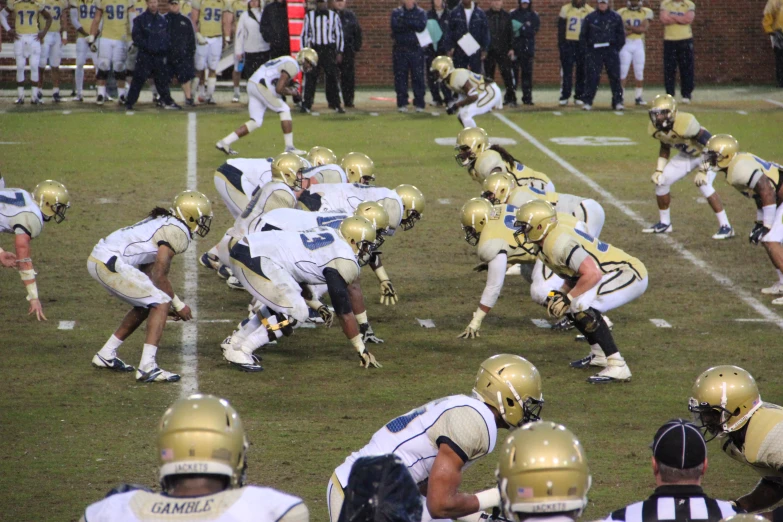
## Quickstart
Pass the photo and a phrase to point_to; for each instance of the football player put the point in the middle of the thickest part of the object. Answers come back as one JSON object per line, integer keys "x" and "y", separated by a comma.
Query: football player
{"x": 760, "y": 180}
{"x": 321, "y": 156}
{"x": 238, "y": 8}
{"x": 726, "y": 401}
{"x": 133, "y": 264}
{"x": 438, "y": 440}
{"x": 111, "y": 49}
{"x": 470, "y": 142}
{"x": 52, "y": 47}
{"x": 27, "y": 38}
{"x": 543, "y": 469}
{"x": 476, "y": 95}
{"x": 266, "y": 89}
{"x": 24, "y": 214}
{"x": 212, "y": 20}
{"x": 597, "y": 278}
{"x": 272, "y": 265}
{"x": 236, "y": 181}
{"x": 359, "y": 168}
{"x": 82, "y": 15}
{"x": 681, "y": 131}
{"x": 202, "y": 453}
{"x": 637, "y": 21}
{"x": 498, "y": 159}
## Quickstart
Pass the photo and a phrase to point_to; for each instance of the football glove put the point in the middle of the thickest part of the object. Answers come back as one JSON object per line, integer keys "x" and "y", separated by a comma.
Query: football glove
{"x": 758, "y": 232}
{"x": 200, "y": 39}
{"x": 700, "y": 179}
{"x": 297, "y": 97}
{"x": 368, "y": 336}
{"x": 388, "y": 295}
{"x": 451, "y": 109}
{"x": 472, "y": 330}
{"x": 657, "y": 177}
{"x": 367, "y": 360}
{"x": 557, "y": 304}
{"x": 326, "y": 315}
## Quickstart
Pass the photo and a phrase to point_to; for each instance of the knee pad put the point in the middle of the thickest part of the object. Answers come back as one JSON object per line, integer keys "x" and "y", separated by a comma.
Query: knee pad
{"x": 285, "y": 115}
{"x": 251, "y": 125}
{"x": 707, "y": 190}
{"x": 662, "y": 190}
{"x": 119, "y": 71}
{"x": 103, "y": 74}
{"x": 588, "y": 321}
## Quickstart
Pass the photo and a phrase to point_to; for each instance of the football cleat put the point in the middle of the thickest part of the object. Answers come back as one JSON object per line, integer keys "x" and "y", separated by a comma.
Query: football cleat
{"x": 619, "y": 107}
{"x": 578, "y": 102}
{"x": 156, "y": 99}
{"x": 116, "y": 364}
{"x": 211, "y": 101}
{"x": 615, "y": 371}
{"x": 563, "y": 325}
{"x": 222, "y": 147}
{"x": 201, "y": 98}
{"x": 296, "y": 151}
{"x": 402, "y": 109}
{"x": 122, "y": 100}
{"x": 778, "y": 301}
{"x": 563, "y": 102}
{"x": 659, "y": 228}
{"x": 155, "y": 374}
{"x": 234, "y": 283}
{"x": 210, "y": 261}
{"x": 640, "y": 101}
{"x": 587, "y": 107}
{"x": 235, "y": 99}
{"x": 189, "y": 102}
{"x": 235, "y": 355}
{"x": 56, "y": 97}
{"x": 100, "y": 99}
{"x": 724, "y": 232}
{"x": 172, "y": 107}
{"x": 19, "y": 101}
{"x": 224, "y": 272}
{"x": 36, "y": 101}
{"x": 686, "y": 101}
{"x": 40, "y": 95}
{"x": 340, "y": 110}
{"x": 775, "y": 289}
{"x": 78, "y": 98}
{"x": 590, "y": 360}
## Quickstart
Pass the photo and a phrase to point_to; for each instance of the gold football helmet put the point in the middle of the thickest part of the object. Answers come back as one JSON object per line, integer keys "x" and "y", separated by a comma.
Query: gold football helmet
{"x": 488, "y": 162}
{"x": 195, "y": 210}
{"x": 359, "y": 168}
{"x": 442, "y": 66}
{"x": 720, "y": 150}
{"x": 724, "y": 398}
{"x": 663, "y": 111}
{"x": 470, "y": 142}
{"x": 497, "y": 187}
{"x": 285, "y": 167}
{"x": 535, "y": 220}
{"x": 308, "y": 55}
{"x": 202, "y": 434}
{"x": 744, "y": 517}
{"x": 53, "y": 199}
{"x": 360, "y": 234}
{"x": 413, "y": 203}
{"x": 321, "y": 156}
{"x": 475, "y": 215}
{"x": 511, "y": 385}
{"x": 542, "y": 469}
{"x": 377, "y": 215}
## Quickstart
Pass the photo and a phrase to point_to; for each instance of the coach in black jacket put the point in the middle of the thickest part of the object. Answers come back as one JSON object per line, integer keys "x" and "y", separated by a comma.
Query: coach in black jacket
{"x": 501, "y": 48}
{"x": 525, "y": 47}
{"x": 478, "y": 28}
{"x": 602, "y": 37}
{"x": 274, "y": 28}
{"x": 440, "y": 13}
{"x": 352, "y": 44}
{"x": 182, "y": 49}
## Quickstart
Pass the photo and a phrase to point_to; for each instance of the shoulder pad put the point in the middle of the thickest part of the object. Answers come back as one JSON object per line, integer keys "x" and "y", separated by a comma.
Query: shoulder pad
{"x": 685, "y": 124}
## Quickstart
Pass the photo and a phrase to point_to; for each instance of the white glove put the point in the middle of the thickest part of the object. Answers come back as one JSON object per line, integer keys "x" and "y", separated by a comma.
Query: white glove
{"x": 368, "y": 360}
{"x": 200, "y": 39}
{"x": 91, "y": 39}
{"x": 700, "y": 179}
{"x": 472, "y": 330}
{"x": 657, "y": 177}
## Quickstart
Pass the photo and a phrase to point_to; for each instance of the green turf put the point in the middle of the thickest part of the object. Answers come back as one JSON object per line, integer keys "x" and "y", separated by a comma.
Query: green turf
{"x": 69, "y": 432}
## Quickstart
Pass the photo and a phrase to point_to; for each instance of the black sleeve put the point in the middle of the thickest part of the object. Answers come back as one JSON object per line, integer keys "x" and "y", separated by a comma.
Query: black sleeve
{"x": 266, "y": 25}
{"x": 357, "y": 39}
{"x": 338, "y": 292}
{"x": 453, "y": 445}
{"x": 561, "y": 31}
{"x": 537, "y": 23}
{"x": 311, "y": 201}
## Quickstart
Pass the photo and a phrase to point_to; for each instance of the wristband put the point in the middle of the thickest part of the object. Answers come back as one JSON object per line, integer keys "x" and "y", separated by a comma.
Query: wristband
{"x": 32, "y": 291}
{"x": 768, "y": 213}
{"x": 661, "y": 164}
{"x": 478, "y": 316}
{"x": 1, "y": 250}
{"x": 362, "y": 317}
{"x": 570, "y": 299}
{"x": 759, "y": 215}
{"x": 358, "y": 344}
{"x": 488, "y": 498}
{"x": 65, "y": 35}
{"x": 177, "y": 303}
{"x": 381, "y": 274}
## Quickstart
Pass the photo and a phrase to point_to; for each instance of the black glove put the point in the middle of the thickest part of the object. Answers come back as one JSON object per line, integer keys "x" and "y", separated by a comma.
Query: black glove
{"x": 297, "y": 98}
{"x": 451, "y": 109}
{"x": 368, "y": 336}
{"x": 759, "y": 231}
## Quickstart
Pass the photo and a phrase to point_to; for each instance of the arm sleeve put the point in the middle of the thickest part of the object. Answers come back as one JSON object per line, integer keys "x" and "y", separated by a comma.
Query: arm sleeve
{"x": 496, "y": 275}
{"x": 138, "y": 34}
{"x": 536, "y": 23}
{"x": 509, "y": 33}
{"x": 486, "y": 36}
{"x": 338, "y": 291}
{"x": 464, "y": 430}
{"x": 421, "y": 20}
{"x": 561, "y": 31}
{"x": 4, "y": 19}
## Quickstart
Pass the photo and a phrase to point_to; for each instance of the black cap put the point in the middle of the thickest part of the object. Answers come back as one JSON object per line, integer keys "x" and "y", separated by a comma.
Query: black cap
{"x": 679, "y": 444}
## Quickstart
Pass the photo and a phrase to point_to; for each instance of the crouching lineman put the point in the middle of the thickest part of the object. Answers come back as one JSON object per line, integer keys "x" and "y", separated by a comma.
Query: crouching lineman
{"x": 758, "y": 179}
{"x": 23, "y": 214}
{"x": 726, "y": 402}
{"x": 273, "y": 265}
{"x": 470, "y": 142}
{"x": 597, "y": 278}
{"x": 476, "y": 95}
{"x": 681, "y": 131}
{"x": 237, "y": 179}
{"x": 133, "y": 264}
{"x": 543, "y": 474}
{"x": 498, "y": 159}
{"x": 27, "y": 41}
{"x": 266, "y": 89}
{"x": 438, "y": 440}
{"x": 202, "y": 451}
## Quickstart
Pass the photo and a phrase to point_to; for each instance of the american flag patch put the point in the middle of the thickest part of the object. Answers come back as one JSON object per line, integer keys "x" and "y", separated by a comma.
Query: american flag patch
{"x": 166, "y": 454}
{"x": 525, "y": 492}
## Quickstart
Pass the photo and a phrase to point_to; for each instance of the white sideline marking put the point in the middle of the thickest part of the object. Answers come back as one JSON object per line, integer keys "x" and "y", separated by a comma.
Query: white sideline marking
{"x": 105, "y": 201}
{"x": 444, "y": 201}
{"x": 557, "y": 113}
{"x": 129, "y": 113}
{"x": 660, "y": 323}
{"x": 753, "y": 320}
{"x": 675, "y": 245}
{"x": 66, "y": 112}
{"x": 373, "y": 114}
{"x": 10, "y": 142}
{"x": 744, "y": 113}
{"x": 773, "y": 102}
{"x": 66, "y": 325}
{"x": 541, "y": 323}
{"x": 619, "y": 113}
{"x": 435, "y": 113}
{"x": 189, "y": 359}
{"x": 170, "y": 321}
{"x": 700, "y": 200}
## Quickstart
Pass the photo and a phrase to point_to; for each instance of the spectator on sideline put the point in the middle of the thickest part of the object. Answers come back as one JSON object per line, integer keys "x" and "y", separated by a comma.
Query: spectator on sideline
{"x": 677, "y": 16}
{"x": 773, "y": 26}
{"x": 249, "y": 44}
{"x": 637, "y": 22}
{"x": 352, "y": 44}
{"x": 440, "y": 13}
{"x": 183, "y": 49}
{"x": 407, "y": 54}
{"x": 274, "y": 28}
{"x": 569, "y": 27}
{"x": 468, "y": 17}
{"x": 602, "y": 36}
{"x": 525, "y": 48}
{"x": 501, "y": 48}
{"x": 323, "y": 32}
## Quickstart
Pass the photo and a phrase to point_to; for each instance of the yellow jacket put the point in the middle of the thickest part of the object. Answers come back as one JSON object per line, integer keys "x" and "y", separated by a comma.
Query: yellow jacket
{"x": 773, "y": 16}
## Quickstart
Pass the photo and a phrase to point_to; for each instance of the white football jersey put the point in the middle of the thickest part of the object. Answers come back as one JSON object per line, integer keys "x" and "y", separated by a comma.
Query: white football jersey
{"x": 466, "y": 424}
{"x": 331, "y": 197}
{"x": 291, "y": 219}
{"x": 326, "y": 174}
{"x": 305, "y": 255}
{"x": 246, "y": 504}
{"x": 256, "y": 172}
{"x": 269, "y": 197}
{"x": 138, "y": 244}
{"x": 270, "y": 72}
{"x": 19, "y": 214}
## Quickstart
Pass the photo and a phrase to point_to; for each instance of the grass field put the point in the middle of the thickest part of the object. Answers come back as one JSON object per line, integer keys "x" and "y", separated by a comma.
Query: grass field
{"x": 70, "y": 432}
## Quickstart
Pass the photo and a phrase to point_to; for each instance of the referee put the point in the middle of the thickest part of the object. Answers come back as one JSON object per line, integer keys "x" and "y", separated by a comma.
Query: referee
{"x": 679, "y": 463}
{"x": 323, "y": 32}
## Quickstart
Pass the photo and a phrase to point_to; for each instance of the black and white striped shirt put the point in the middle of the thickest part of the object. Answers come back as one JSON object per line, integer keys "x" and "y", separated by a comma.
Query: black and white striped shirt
{"x": 322, "y": 28}
{"x": 675, "y": 503}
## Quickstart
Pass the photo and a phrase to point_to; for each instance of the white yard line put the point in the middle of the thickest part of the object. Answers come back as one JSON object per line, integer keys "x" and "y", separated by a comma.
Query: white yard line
{"x": 773, "y": 102}
{"x": 660, "y": 323}
{"x": 675, "y": 245}
{"x": 189, "y": 371}
{"x": 66, "y": 325}
{"x": 541, "y": 323}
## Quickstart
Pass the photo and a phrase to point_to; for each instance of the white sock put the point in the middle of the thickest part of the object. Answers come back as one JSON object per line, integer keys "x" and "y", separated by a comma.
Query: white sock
{"x": 121, "y": 91}
{"x": 723, "y": 219}
{"x": 639, "y": 92}
{"x": 148, "y": 357}
{"x": 213, "y": 251}
{"x": 231, "y": 138}
{"x": 102, "y": 90}
{"x": 236, "y": 91}
{"x": 596, "y": 351}
{"x": 289, "y": 140}
{"x": 362, "y": 317}
{"x": 20, "y": 92}
{"x": 666, "y": 216}
{"x": 194, "y": 83}
{"x": 109, "y": 350}
{"x": 258, "y": 338}
{"x": 79, "y": 79}
{"x": 202, "y": 90}
{"x": 780, "y": 276}
{"x": 616, "y": 357}
{"x": 211, "y": 81}
{"x": 251, "y": 326}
